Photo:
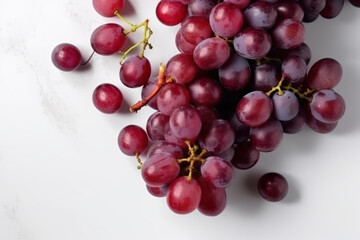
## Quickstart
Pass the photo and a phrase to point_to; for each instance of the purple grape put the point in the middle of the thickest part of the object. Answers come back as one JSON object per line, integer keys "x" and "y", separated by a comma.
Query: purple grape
{"x": 252, "y": 43}
{"x": 213, "y": 199}
{"x": 217, "y": 172}
{"x": 205, "y": 91}
{"x": 185, "y": 122}
{"x": 289, "y": 9}
{"x": 235, "y": 73}
{"x": 273, "y": 187}
{"x": 155, "y": 126}
{"x": 217, "y": 137}
{"x": 327, "y": 106}
{"x": 288, "y": 34}
{"x": 268, "y": 136}
{"x": 254, "y": 109}
{"x": 294, "y": 69}
{"x": 211, "y": 53}
{"x": 66, "y": 57}
{"x": 332, "y": 8}
{"x": 286, "y": 106}
{"x": 171, "y": 96}
{"x": 266, "y": 76}
{"x": 201, "y": 8}
{"x": 261, "y": 14}
{"x": 226, "y": 19}
{"x": 195, "y": 29}
{"x": 326, "y": 73}
{"x": 246, "y": 155}
{"x": 181, "y": 68}
{"x": 159, "y": 147}
{"x": 135, "y": 71}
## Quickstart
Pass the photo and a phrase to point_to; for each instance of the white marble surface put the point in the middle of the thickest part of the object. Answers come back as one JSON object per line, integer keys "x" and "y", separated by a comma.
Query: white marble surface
{"x": 62, "y": 176}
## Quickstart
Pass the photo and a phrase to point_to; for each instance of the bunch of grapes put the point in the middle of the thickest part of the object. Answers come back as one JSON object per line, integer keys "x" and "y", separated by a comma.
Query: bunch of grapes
{"x": 239, "y": 82}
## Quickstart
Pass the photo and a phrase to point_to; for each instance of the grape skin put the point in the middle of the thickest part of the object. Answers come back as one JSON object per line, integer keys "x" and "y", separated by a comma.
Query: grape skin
{"x": 108, "y": 39}
{"x": 132, "y": 140}
{"x": 217, "y": 172}
{"x": 66, "y": 57}
{"x": 273, "y": 187}
{"x": 268, "y": 136}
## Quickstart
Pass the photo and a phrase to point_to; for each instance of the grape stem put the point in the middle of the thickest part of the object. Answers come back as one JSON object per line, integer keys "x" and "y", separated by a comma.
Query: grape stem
{"x": 145, "y": 40}
{"x": 161, "y": 82}
{"x": 137, "y": 155}
{"x": 193, "y": 158}
{"x": 297, "y": 91}
{"x": 88, "y": 60}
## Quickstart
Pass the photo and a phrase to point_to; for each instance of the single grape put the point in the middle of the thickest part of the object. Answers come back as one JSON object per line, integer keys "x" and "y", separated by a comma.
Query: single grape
{"x": 157, "y": 191}
{"x": 185, "y": 122}
{"x": 289, "y": 9}
{"x": 107, "y": 98}
{"x": 266, "y": 76}
{"x": 226, "y": 19}
{"x": 268, "y": 136}
{"x": 132, "y": 140}
{"x": 217, "y": 172}
{"x": 235, "y": 73}
{"x": 254, "y": 109}
{"x": 108, "y": 39}
{"x": 261, "y": 14}
{"x": 318, "y": 126}
{"x": 194, "y": 29}
{"x": 207, "y": 115}
{"x": 171, "y": 96}
{"x": 286, "y": 105}
{"x": 107, "y": 8}
{"x": 66, "y": 57}
{"x": 211, "y": 53}
{"x": 273, "y": 187}
{"x": 246, "y": 155}
{"x": 332, "y": 8}
{"x": 181, "y": 68}
{"x": 252, "y": 43}
{"x": 288, "y": 34}
{"x": 294, "y": 69}
{"x": 217, "y": 137}
{"x": 171, "y": 12}
{"x": 327, "y": 106}
{"x": 201, "y": 8}
{"x": 213, "y": 199}
{"x": 155, "y": 126}
{"x": 325, "y": 73}
{"x": 135, "y": 71}
{"x": 183, "y": 195}
{"x": 160, "y": 169}
{"x": 205, "y": 91}
{"x": 355, "y": 3}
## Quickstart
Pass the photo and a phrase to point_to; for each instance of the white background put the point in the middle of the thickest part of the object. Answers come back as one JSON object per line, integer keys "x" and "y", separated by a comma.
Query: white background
{"x": 62, "y": 176}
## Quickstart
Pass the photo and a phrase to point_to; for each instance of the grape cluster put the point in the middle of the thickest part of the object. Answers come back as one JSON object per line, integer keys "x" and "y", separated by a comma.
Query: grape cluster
{"x": 239, "y": 82}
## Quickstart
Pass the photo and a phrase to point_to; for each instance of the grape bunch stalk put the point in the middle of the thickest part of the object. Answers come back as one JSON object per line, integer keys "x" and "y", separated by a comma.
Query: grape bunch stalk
{"x": 240, "y": 81}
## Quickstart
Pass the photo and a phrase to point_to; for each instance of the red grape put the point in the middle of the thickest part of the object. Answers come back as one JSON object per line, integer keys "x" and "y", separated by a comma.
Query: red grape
{"x": 107, "y": 98}
{"x": 66, "y": 57}
{"x": 108, "y": 39}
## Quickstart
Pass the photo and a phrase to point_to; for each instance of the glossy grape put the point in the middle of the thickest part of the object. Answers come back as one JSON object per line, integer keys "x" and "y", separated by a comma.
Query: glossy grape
{"x": 185, "y": 122}
{"x": 235, "y": 73}
{"x": 195, "y": 29}
{"x": 261, "y": 14}
{"x": 132, "y": 140}
{"x": 155, "y": 126}
{"x": 252, "y": 43}
{"x": 66, "y": 57}
{"x": 327, "y": 106}
{"x": 266, "y": 76}
{"x": 201, "y": 8}
{"x": 181, "y": 68}
{"x": 332, "y": 8}
{"x": 288, "y": 34}
{"x": 157, "y": 191}
{"x": 217, "y": 137}
{"x": 205, "y": 91}
{"x": 289, "y": 9}
{"x": 107, "y": 98}
{"x": 325, "y": 73}
{"x": 286, "y": 105}
{"x": 171, "y": 96}
{"x": 217, "y": 172}
{"x": 108, "y": 39}
{"x": 183, "y": 196}
{"x": 246, "y": 155}
{"x": 182, "y": 45}
{"x": 160, "y": 169}
{"x": 171, "y": 12}
{"x": 213, "y": 199}
{"x": 211, "y": 53}
{"x": 107, "y": 8}
{"x": 273, "y": 187}
{"x": 159, "y": 147}
{"x": 254, "y": 109}
{"x": 226, "y": 19}
{"x": 268, "y": 136}
{"x": 294, "y": 69}
{"x": 135, "y": 71}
